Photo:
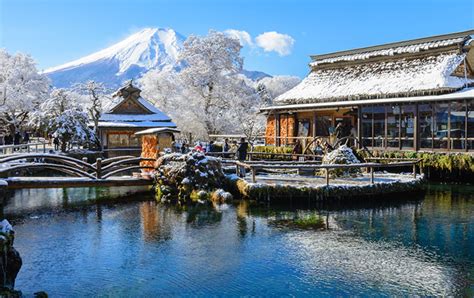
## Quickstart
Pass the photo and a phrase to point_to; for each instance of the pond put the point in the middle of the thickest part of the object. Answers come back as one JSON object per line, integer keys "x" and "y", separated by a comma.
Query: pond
{"x": 74, "y": 242}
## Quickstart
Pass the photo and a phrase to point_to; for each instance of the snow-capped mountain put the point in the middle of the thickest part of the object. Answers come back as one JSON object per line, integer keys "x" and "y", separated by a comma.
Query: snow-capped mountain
{"x": 150, "y": 48}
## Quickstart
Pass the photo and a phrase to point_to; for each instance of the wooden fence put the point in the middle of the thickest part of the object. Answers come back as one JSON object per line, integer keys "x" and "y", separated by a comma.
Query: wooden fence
{"x": 21, "y": 148}
{"x": 254, "y": 167}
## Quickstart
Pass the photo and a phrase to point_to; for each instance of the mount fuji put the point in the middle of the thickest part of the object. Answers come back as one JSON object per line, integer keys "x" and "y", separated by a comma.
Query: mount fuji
{"x": 150, "y": 48}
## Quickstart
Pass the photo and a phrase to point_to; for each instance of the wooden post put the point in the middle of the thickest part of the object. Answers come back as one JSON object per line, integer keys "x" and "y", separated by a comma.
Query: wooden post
{"x": 277, "y": 129}
{"x": 327, "y": 177}
{"x": 416, "y": 133}
{"x": 359, "y": 127}
{"x": 44, "y": 147}
{"x": 414, "y": 170}
{"x": 253, "y": 175}
{"x": 84, "y": 159}
{"x": 371, "y": 175}
{"x": 99, "y": 168}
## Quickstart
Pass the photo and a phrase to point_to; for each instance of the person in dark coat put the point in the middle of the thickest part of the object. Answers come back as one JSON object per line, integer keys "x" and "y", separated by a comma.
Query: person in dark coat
{"x": 298, "y": 149}
{"x": 8, "y": 139}
{"x": 183, "y": 147}
{"x": 56, "y": 143}
{"x": 17, "y": 139}
{"x": 226, "y": 148}
{"x": 242, "y": 149}
{"x": 26, "y": 137}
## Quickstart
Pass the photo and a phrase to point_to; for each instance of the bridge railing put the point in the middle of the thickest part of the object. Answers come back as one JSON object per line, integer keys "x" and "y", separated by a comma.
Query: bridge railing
{"x": 22, "y": 148}
{"x": 100, "y": 169}
{"x": 370, "y": 166}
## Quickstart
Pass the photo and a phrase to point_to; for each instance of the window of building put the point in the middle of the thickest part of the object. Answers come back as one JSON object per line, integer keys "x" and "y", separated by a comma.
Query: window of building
{"x": 123, "y": 140}
{"x": 393, "y": 127}
{"x": 407, "y": 126}
{"x": 367, "y": 124}
{"x": 470, "y": 126}
{"x": 379, "y": 126}
{"x": 425, "y": 122}
{"x": 323, "y": 126}
{"x": 303, "y": 127}
{"x": 457, "y": 120}
{"x": 441, "y": 120}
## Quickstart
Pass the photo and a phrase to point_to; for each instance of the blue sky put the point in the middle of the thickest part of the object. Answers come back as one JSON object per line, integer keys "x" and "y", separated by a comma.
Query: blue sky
{"x": 55, "y": 31}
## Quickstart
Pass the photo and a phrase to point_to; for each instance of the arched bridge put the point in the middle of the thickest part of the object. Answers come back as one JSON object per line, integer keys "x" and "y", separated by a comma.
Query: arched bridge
{"x": 16, "y": 170}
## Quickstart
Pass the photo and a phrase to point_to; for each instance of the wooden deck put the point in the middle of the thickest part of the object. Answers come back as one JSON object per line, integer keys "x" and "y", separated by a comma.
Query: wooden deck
{"x": 62, "y": 182}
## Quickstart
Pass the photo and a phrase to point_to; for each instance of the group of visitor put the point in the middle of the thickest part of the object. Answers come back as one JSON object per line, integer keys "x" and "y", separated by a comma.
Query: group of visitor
{"x": 15, "y": 139}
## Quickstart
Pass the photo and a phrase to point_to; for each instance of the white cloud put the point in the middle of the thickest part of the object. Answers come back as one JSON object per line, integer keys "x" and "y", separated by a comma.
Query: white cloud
{"x": 275, "y": 42}
{"x": 243, "y": 36}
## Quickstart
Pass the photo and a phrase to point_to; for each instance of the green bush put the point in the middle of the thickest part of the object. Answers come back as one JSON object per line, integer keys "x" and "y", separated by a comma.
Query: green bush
{"x": 436, "y": 165}
{"x": 272, "y": 150}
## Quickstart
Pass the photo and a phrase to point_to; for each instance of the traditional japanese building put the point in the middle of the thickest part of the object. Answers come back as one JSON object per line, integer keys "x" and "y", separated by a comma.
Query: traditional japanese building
{"x": 131, "y": 114}
{"x": 410, "y": 95}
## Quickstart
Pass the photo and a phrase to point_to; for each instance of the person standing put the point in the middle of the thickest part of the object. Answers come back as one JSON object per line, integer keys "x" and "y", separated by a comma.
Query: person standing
{"x": 183, "y": 147}
{"x": 226, "y": 148}
{"x": 242, "y": 155}
{"x": 298, "y": 149}
{"x": 26, "y": 137}
{"x": 56, "y": 143}
{"x": 17, "y": 138}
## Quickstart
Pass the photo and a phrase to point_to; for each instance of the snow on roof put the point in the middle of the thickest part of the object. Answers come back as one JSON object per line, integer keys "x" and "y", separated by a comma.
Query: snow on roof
{"x": 133, "y": 118}
{"x": 380, "y": 79}
{"x": 136, "y": 124}
{"x": 467, "y": 93}
{"x": 157, "y": 130}
{"x": 360, "y": 54}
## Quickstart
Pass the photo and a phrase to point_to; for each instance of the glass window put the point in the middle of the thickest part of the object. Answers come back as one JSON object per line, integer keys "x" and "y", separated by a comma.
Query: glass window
{"x": 470, "y": 127}
{"x": 457, "y": 120}
{"x": 134, "y": 141}
{"x": 124, "y": 140}
{"x": 303, "y": 128}
{"x": 367, "y": 123}
{"x": 114, "y": 140}
{"x": 393, "y": 133}
{"x": 379, "y": 126}
{"x": 323, "y": 125}
{"x": 441, "y": 116}
{"x": 425, "y": 115}
{"x": 407, "y": 125}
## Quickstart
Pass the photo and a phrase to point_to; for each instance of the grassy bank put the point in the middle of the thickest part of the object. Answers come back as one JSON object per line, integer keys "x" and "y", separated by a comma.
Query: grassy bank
{"x": 455, "y": 167}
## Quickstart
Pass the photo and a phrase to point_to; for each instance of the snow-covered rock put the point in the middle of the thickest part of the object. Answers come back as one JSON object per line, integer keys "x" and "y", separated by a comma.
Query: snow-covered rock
{"x": 189, "y": 176}
{"x": 342, "y": 155}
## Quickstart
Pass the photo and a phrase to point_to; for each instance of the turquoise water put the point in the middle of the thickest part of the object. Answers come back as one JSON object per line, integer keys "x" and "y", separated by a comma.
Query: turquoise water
{"x": 73, "y": 245}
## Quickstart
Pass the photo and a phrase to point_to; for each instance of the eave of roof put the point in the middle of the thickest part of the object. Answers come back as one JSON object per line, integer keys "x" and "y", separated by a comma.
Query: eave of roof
{"x": 394, "y": 44}
{"x": 158, "y": 130}
{"x": 467, "y": 93}
{"x": 137, "y": 124}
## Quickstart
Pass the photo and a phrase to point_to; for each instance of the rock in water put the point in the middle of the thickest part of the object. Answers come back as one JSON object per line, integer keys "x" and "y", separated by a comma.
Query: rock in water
{"x": 342, "y": 155}
{"x": 10, "y": 260}
{"x": 188, "y": 176}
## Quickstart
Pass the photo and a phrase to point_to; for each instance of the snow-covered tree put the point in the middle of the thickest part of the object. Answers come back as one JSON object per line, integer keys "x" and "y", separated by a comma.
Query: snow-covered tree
{"x": 61, "y": 115}
{"x": 23, "y": 89}
{"x": 72, "y": 127}
{"x": 210, "y": 95}
{"x": 96, "y": 93}
{"x": 209, "y": 63}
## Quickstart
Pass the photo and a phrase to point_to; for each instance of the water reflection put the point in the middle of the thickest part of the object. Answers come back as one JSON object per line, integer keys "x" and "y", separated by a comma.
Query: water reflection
{"x": 423, "y": 246}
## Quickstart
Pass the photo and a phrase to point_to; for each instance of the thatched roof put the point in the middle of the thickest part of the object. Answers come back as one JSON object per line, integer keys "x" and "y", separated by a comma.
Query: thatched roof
{"x": 411, "y": 68}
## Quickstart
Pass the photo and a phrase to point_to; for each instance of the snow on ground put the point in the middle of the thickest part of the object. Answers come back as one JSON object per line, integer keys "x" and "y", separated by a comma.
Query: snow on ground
{"x": 299, "y": 181}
